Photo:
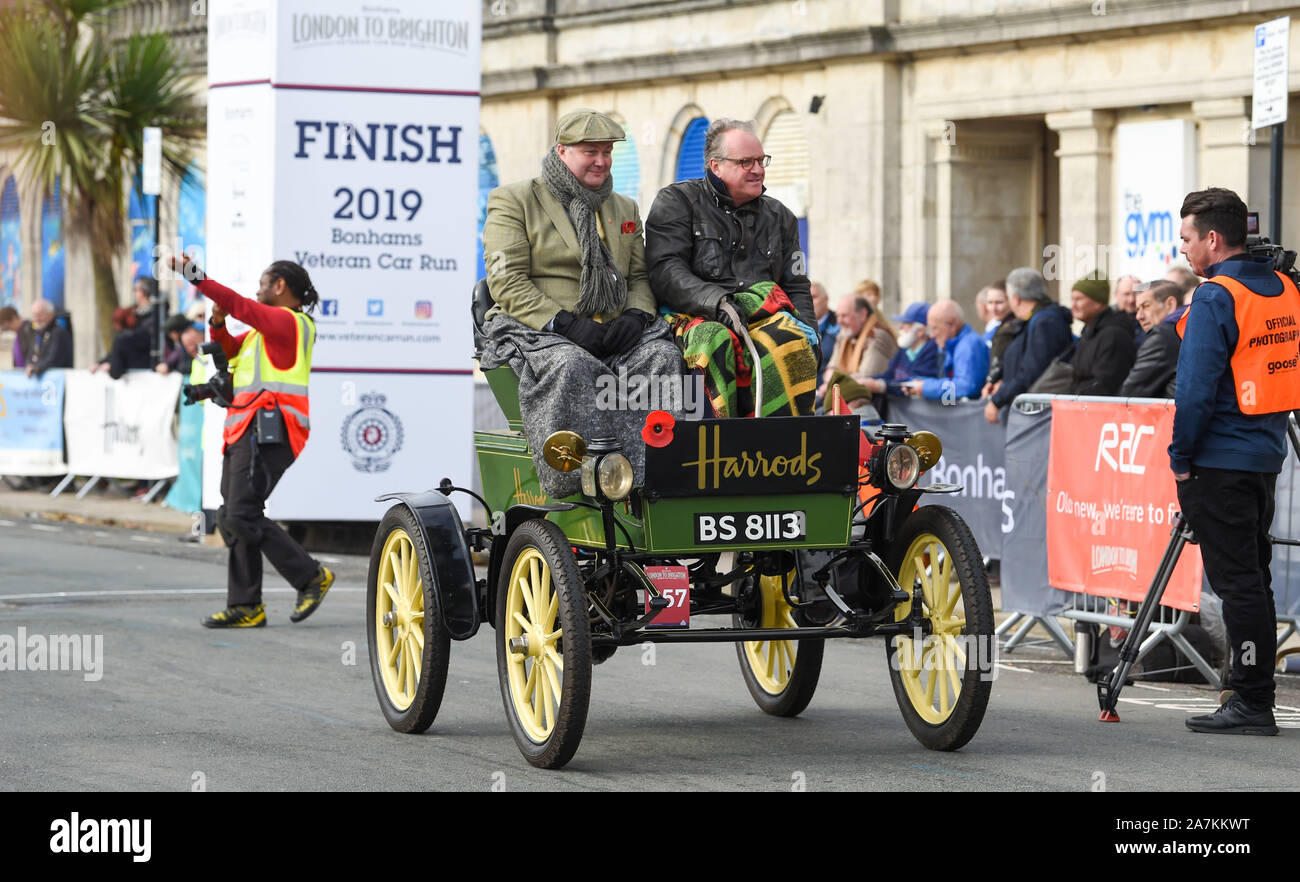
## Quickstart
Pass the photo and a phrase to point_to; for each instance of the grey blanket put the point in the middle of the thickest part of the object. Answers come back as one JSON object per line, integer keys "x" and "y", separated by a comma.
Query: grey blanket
{"x": 562, "y": 386}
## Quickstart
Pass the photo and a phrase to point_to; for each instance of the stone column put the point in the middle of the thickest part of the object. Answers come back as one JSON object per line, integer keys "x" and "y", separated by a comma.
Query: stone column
{"x": 1230, "y": 153}
{"x": 1085, "y": 192}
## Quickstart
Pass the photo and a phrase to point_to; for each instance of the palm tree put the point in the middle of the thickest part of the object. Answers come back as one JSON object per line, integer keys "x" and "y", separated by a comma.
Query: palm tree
{"x": 75, "y": 107}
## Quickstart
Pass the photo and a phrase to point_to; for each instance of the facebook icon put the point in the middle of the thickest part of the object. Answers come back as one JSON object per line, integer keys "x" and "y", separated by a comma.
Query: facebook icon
{"x": 329, "y": 307}
{"x": 374, "y": 307}
{"x": 1259, "y": 36}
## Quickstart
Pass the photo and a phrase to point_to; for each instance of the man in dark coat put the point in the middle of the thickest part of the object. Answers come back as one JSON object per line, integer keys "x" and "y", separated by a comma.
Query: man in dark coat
{"x": 1156, "y": 368}
{"x": 1046, "y": 335}
{"x": 1106, "y": 350}
{"x": 49, "y": 344}
{"x": 708, "y": 237}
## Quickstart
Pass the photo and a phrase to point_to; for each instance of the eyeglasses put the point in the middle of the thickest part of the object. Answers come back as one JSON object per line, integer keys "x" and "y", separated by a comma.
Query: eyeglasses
{"x": 747, "y": 163}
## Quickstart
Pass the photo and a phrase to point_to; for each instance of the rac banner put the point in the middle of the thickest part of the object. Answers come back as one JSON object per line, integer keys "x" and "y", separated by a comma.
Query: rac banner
{"x": 1111, "y": 500}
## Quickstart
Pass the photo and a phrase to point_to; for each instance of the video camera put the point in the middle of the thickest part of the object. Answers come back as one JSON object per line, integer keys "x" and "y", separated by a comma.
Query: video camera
{"x": 221, "y": 387}
{"x": 1260, "y": 246}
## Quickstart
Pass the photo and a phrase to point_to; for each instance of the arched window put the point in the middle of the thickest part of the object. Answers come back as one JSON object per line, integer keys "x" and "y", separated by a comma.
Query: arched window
{"x": 11, "y": 244}
{"x": 52, "y": 248}
{"x": 487, "y": 182}
{"x": 626, "y": 166}
{"x": 192, "y": 209}
{"x": 690, "y": 155}
{"x": 786, "y": 140}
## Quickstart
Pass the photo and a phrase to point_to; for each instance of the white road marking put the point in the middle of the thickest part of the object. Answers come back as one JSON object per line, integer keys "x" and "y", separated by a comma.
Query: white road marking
{"x": 1286, "y": 717}
{"x": 1148, "y": 686}
{"x": 46, "y": 527}
{"x": 1006, "y": 667}
{"x": 7, "y": 524}
{"x": 161, "y": 592}
{"x": 148, "y": 539}
{"x": 327, "y": 559}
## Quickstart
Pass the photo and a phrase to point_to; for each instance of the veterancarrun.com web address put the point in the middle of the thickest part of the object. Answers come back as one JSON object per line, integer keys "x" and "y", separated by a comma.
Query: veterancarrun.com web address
{"x": 356, "y": 337}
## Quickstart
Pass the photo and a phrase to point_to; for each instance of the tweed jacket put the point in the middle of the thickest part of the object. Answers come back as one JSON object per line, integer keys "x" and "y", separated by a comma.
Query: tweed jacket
{"x": 534, "y": 261}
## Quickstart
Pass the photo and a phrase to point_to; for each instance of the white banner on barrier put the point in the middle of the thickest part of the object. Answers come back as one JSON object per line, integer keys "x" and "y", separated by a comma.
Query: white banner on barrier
{"x": 31, "y": 423}
{"x": 122, "y": 428}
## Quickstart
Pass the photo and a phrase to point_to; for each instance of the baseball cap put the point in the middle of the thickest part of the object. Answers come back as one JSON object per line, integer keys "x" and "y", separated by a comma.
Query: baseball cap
{"x": 916, "y": 314}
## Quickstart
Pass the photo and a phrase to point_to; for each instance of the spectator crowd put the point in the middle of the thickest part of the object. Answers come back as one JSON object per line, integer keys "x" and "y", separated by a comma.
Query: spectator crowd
{"x": 1118, "y": 340}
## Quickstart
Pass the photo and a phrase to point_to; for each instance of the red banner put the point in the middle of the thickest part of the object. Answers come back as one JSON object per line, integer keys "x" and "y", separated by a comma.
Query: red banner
{"x": 1110, "y": 502}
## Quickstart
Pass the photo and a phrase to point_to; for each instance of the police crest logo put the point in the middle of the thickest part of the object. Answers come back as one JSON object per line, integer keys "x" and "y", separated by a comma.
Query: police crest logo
{"x": 371, "y": 434}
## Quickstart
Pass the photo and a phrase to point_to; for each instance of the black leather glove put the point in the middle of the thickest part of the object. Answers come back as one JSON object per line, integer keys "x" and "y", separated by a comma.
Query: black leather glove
{"x": 724, "y": 319}
{"x": 624, "y": 332}
{"x": 588, "y": 334}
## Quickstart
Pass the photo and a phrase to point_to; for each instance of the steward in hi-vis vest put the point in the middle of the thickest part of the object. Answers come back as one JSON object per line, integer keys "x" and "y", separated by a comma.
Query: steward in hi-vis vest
{"x": 266, "y": 427}
{"x": 1266, "y": 360}
{"x": 262, "y": 385}
{"x": 1236, "y": 383}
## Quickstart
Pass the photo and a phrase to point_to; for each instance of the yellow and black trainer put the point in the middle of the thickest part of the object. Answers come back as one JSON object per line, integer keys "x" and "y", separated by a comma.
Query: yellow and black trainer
{"x": 238, "y": 617}
{"x": 310, "y": 597}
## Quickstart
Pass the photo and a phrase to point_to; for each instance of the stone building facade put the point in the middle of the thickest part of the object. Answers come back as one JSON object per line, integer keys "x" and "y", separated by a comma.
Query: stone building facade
{"x": 946, "y": 142}
{"x": 932, "y": 145}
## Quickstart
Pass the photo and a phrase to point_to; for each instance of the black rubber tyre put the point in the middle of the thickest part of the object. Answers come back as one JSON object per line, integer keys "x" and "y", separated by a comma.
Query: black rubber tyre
{"x": 538, "y": 568}
{"x": 409, "y": 656}
{"x": 780, "y": 675}
{"x": 942, "y": 696}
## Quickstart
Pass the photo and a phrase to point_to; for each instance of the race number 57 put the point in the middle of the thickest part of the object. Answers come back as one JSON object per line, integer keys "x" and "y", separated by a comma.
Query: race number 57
{"x": 673, "y": 582}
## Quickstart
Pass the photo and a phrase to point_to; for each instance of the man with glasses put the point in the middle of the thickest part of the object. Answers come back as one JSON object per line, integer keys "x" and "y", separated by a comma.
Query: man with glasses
{"x": 717, "y": 245}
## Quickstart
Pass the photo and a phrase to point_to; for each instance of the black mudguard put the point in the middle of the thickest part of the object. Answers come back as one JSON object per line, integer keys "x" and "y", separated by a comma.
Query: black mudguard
{"x": 445, "y": 559}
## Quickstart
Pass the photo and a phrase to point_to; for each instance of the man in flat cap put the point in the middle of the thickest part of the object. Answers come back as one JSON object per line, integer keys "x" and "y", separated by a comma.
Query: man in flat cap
{"x": 566, "y": 267}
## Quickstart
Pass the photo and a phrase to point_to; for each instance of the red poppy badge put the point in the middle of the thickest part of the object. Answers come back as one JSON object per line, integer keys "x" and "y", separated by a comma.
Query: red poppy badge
{"x": 658, "y": 429}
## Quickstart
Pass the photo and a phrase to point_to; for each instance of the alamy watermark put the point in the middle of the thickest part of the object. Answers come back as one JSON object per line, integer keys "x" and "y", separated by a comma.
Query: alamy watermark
{"x": 78, "y": 835}
{"x": 941, "y": 652}
{"x": 676, "y": 394}
{"x": 55, "y": 652}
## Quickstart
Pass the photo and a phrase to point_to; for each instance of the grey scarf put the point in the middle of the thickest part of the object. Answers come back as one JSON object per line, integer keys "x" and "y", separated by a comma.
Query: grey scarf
{"x": 601, "y": 288}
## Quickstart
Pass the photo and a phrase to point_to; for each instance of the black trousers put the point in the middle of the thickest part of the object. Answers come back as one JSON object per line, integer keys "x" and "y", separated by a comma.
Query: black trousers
{"x": 249, "y": 472}
{"x": 1230, "y": 513}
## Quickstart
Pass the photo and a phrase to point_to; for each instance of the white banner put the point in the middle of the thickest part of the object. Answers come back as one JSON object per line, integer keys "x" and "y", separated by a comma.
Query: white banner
{"x": 121, "y": 428}
{"x": 31, "y": 423}
{"x": 1155, "y": 168}
{"x": 354, "y": 152}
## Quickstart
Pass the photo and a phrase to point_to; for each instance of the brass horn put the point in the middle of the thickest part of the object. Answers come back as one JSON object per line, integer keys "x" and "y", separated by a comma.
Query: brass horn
{"x": 928, "y": 447}
{"x": 564, "y": 450}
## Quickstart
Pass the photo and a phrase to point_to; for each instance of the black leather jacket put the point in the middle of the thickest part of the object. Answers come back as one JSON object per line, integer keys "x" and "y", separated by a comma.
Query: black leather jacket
{"x": 700, "y": 246}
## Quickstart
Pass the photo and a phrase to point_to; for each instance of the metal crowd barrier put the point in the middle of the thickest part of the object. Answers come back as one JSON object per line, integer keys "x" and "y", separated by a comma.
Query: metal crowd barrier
{"x": 1168, "y": 624}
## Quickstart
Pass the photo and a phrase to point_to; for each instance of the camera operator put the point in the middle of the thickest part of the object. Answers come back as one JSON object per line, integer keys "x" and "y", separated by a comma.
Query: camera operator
{"x": 1237, "y": 381}
{"x": 265, "y": 430}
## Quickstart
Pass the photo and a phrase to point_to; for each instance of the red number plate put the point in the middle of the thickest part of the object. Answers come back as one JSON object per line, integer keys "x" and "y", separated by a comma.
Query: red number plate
{"x": 674, "y": 584}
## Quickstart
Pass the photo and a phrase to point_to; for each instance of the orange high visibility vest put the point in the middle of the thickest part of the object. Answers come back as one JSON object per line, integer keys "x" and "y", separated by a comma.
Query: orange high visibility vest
{"x": 260, "y": 385}
{"x": 1266, "y": 362}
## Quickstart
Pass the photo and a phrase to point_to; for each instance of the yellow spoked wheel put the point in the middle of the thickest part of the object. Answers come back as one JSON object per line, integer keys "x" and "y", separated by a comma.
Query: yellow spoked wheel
{"x": 409, "y": 648}
{"x": 543, "y": 644}
{"x": 942, "y": 679}
{"x": 781, "y": 674}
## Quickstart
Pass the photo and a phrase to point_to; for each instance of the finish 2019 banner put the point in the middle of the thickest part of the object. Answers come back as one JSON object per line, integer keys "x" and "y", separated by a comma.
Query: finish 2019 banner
{"x": 343, "y": 136}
